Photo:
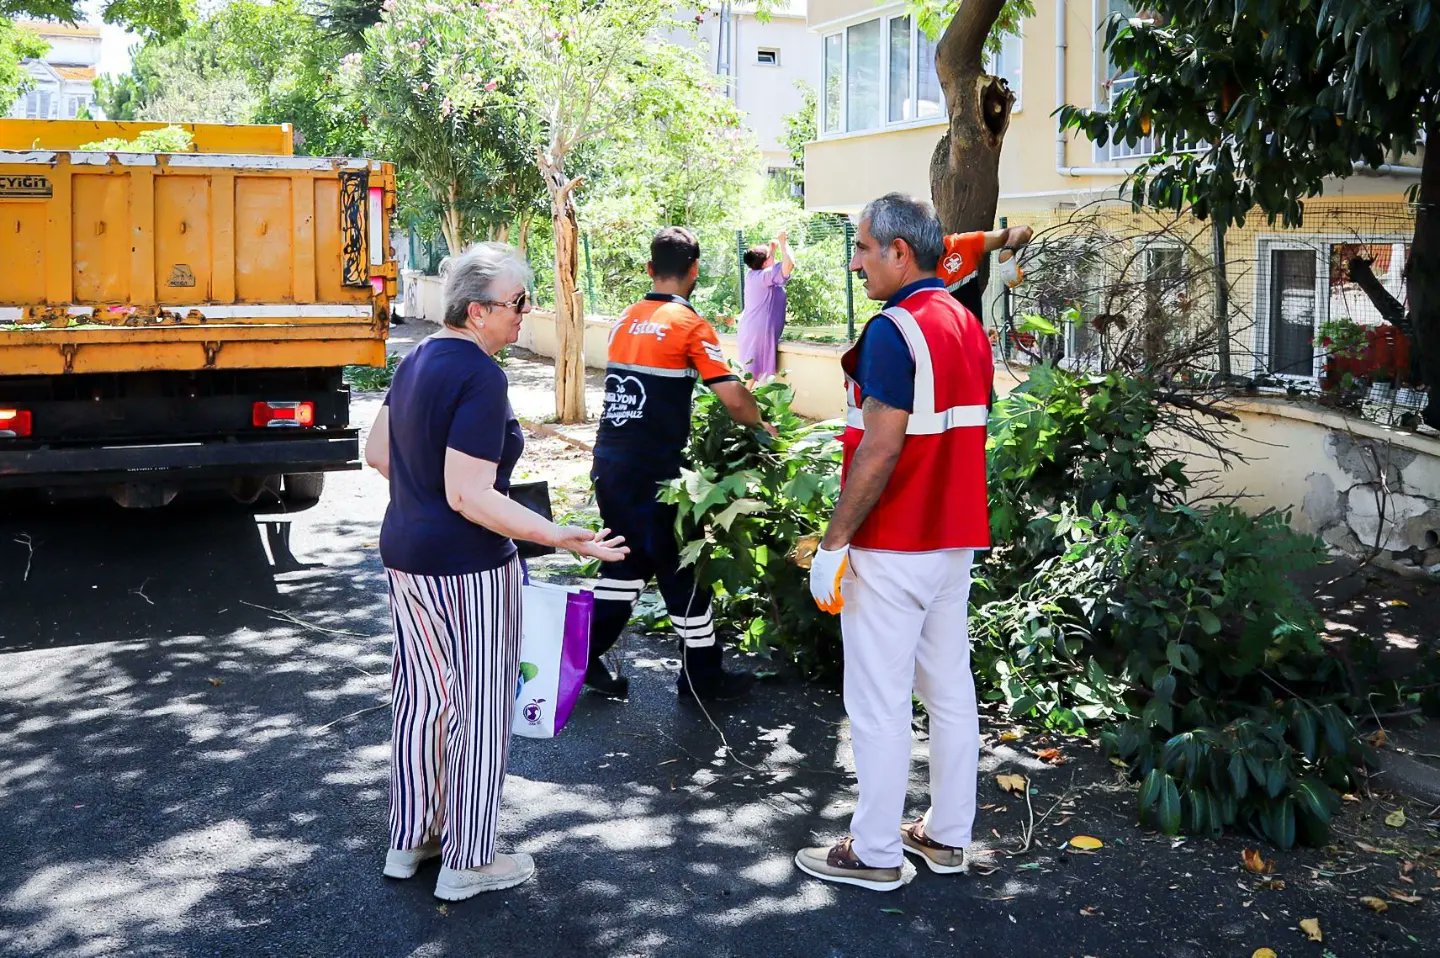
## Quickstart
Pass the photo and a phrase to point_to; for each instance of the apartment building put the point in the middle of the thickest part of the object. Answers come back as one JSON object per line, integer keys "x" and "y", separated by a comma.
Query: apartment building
{"x": 881, "y": 115}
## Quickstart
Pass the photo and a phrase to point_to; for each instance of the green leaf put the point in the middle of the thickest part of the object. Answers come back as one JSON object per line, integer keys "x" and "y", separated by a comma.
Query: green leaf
{"x": 1150, "y": 790}
{"x": 736, "y": 509}
{"x": 528, "y": 670}
{"x": 1209, "y": 622}
{"x": 1036, "y": 324}
{"x": 1169, "y": 811}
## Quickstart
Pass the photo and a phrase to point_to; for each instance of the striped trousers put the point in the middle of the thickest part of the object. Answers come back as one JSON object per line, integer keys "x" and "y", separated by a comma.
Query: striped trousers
{"x": 453, "y": 675}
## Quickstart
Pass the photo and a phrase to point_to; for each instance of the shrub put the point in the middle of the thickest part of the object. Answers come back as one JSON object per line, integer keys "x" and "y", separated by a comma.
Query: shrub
{"x": 372, "y": 378}
{"x": 1109, "y": 605}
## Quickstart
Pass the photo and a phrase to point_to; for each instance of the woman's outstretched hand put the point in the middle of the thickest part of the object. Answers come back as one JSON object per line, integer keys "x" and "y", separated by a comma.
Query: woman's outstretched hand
{"x": 594, "y": 545}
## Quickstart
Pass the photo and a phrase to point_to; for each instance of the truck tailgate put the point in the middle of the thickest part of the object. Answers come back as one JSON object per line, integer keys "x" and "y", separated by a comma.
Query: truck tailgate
{"x": 120, "y": 262}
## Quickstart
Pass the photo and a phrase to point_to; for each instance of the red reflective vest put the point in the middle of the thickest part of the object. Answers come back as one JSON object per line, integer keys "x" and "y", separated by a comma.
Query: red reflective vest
{"x": 936, "y": 497}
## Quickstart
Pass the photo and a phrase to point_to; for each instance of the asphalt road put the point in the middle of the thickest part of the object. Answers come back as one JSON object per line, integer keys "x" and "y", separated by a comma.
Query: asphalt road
{"x": 184, "y": 771}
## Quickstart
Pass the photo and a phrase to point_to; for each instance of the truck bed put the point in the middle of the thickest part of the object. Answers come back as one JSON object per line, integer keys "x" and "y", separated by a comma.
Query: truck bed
{"x": 144, "y": 262}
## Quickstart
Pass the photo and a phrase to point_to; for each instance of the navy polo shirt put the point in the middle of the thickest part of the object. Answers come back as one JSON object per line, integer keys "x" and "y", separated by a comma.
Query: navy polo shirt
{"x": 885, "y": 369}
{"x": 447, "y": 394}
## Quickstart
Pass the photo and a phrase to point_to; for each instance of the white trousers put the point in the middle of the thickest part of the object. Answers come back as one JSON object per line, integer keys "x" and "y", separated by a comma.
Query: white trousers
{"x": 906, "y": 628}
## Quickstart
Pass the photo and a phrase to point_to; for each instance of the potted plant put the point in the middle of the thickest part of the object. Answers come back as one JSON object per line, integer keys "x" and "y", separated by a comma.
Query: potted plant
{"x": 1346, "y": 348}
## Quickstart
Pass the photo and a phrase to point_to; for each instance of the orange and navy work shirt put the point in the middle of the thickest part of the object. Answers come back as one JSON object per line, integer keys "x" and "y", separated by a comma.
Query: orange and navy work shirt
{"x": 658, "y": 348}
{"x": 961, "y": 259}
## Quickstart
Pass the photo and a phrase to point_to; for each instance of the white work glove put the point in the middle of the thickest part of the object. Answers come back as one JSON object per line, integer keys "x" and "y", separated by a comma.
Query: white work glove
{"x": 826, "y": 570}
{"x": 1010, "y": 273}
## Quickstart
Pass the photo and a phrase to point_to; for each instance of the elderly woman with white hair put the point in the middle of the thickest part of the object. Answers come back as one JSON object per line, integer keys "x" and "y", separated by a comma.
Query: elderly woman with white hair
{"x": 447, "y": 440}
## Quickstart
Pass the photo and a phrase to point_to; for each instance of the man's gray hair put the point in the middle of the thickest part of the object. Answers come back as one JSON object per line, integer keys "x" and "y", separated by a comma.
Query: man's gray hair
{"x": 897, "y": 216}
{"x": 472, "y": 277}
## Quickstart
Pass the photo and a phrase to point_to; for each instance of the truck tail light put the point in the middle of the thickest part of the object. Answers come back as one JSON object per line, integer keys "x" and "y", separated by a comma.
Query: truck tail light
{"x": 14, "y": 423}
{"x": 283, "y": 414}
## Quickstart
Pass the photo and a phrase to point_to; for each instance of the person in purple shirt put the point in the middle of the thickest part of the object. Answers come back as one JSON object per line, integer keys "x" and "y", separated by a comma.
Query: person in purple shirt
{"x": 768, "y": 270}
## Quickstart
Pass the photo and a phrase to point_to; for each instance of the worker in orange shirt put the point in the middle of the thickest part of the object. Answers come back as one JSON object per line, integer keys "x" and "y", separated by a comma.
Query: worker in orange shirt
{"x": 964, "y": 252}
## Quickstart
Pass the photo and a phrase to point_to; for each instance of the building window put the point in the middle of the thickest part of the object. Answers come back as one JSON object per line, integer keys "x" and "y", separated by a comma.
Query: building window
{"x": 928, "y": 99}
{"x": 1008, "y": 65}
{"x": 834, "y": 83}
{"x": 864, "y": 56}
{"x": 1307, "y": 282}
{"x": 879, "y": 72}
{"x": 767, "y": 57}
{"x": 901, "y": 40}
{"x": 39, "y": 104}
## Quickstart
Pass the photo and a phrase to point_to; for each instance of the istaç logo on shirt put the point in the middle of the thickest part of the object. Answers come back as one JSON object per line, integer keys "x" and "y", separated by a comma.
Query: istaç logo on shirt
{"x": 624, "y": 399}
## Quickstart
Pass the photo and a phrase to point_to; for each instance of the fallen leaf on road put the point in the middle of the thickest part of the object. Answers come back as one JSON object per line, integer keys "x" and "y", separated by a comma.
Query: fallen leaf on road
{"x": 891, "y": 911}
{"x": 1090, "y": 911}
{"x": 1254, "y": 863}
{"x": 216, "y": 682}
{"x": 1311, "y": 928}
{"x": 1051, "y": 755}
{"x": 1350, "y": 797}
{"x": 1010, "y": 735}
{"x": 1273, "y": 884}
{"x": 443, "y": 910}
{"x": 1119, "y": 763}
{"x": 1264, "y": 953}
{"x": 1379, "y": 739}
{"x": 1407, "y": 868}
{"x": 1398, "y": 604}
{"x": 1086, "y": 842}
{"x": 1369, "y": 848}
{"x": 1407, "y": 899}
{"x": 1396, "y": 819}
{"x": 1376, "y": 905}
{"x": 1014, "y": 784}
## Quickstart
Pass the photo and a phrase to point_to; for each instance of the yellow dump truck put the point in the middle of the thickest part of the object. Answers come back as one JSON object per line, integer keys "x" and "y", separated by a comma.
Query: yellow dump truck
{"x": 179, "y": 320}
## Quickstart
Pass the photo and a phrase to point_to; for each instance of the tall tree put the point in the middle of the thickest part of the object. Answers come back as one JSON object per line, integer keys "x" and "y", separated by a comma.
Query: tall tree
{"x": 587, "y": 70}
{"x": 16, "y": 44}
{"x": 438, "y": 100}
{"x": 1278, "y": 98}
{"x": 965, "y": 168}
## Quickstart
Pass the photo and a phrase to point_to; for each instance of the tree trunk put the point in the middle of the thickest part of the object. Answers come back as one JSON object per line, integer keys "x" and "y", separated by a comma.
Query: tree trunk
{"x": 1391, "y": 309}
{"x": 524, "y": 241}
{"x": 1422, "y": 275}
{"x": 965, "y": 169}
{"x": 450, "y": 228}
{"x": 569, "y": 309}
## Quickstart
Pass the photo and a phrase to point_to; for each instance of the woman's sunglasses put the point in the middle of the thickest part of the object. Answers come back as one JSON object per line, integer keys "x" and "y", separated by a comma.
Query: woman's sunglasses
{"x": 518, "y": 303}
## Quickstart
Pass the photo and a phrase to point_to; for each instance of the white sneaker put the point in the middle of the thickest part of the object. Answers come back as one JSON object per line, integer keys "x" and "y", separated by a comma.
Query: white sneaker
{"x": 405, "y": 863}
{"x": 506, "y": 871}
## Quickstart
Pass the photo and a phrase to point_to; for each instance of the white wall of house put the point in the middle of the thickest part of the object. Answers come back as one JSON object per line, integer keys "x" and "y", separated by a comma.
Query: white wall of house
{"x": 761, "y": 61}
{"x": 62, "y": 81}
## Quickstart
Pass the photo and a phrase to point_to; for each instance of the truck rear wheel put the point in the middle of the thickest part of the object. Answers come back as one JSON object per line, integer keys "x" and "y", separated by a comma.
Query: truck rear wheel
{"x": 304, "y": 486}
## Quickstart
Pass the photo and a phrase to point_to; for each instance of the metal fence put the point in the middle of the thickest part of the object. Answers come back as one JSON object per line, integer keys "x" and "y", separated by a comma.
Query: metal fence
{"x": 1262, "y": 302}
{"x": 821, "y": 292}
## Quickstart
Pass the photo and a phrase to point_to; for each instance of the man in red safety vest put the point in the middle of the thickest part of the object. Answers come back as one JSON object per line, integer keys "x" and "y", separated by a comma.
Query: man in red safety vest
{"x": 895, "y": 561}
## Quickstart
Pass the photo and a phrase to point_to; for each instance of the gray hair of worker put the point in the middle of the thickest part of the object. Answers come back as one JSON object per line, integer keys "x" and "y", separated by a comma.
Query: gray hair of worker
{"x": 897, "y": 216}
{"x": 472, "y": 277}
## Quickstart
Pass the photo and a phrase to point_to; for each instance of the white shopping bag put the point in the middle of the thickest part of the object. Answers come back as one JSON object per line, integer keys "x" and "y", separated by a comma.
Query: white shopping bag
{"x": 554, "y": 652}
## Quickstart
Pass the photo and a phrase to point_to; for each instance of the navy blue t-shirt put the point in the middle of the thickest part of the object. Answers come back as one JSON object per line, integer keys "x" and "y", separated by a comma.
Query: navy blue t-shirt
{"x": 446, "y": 394}
{"x": 885, "y": 369}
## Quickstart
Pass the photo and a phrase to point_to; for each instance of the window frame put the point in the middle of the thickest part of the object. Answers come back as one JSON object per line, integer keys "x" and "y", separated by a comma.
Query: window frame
{"x": 1319, "y": 245}
{"x": 774, "y": 56}
{"x": 840, "y": 28}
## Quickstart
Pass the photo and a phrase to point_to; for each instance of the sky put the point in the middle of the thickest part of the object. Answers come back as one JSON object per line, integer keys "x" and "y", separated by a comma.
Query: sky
{"x": 115, "y": 46}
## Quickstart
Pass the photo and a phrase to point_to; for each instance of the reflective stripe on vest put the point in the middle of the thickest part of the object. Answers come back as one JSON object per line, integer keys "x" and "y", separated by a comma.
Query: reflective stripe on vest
{"x": 925, "y": 420}
{"x": 930, "y": 424}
